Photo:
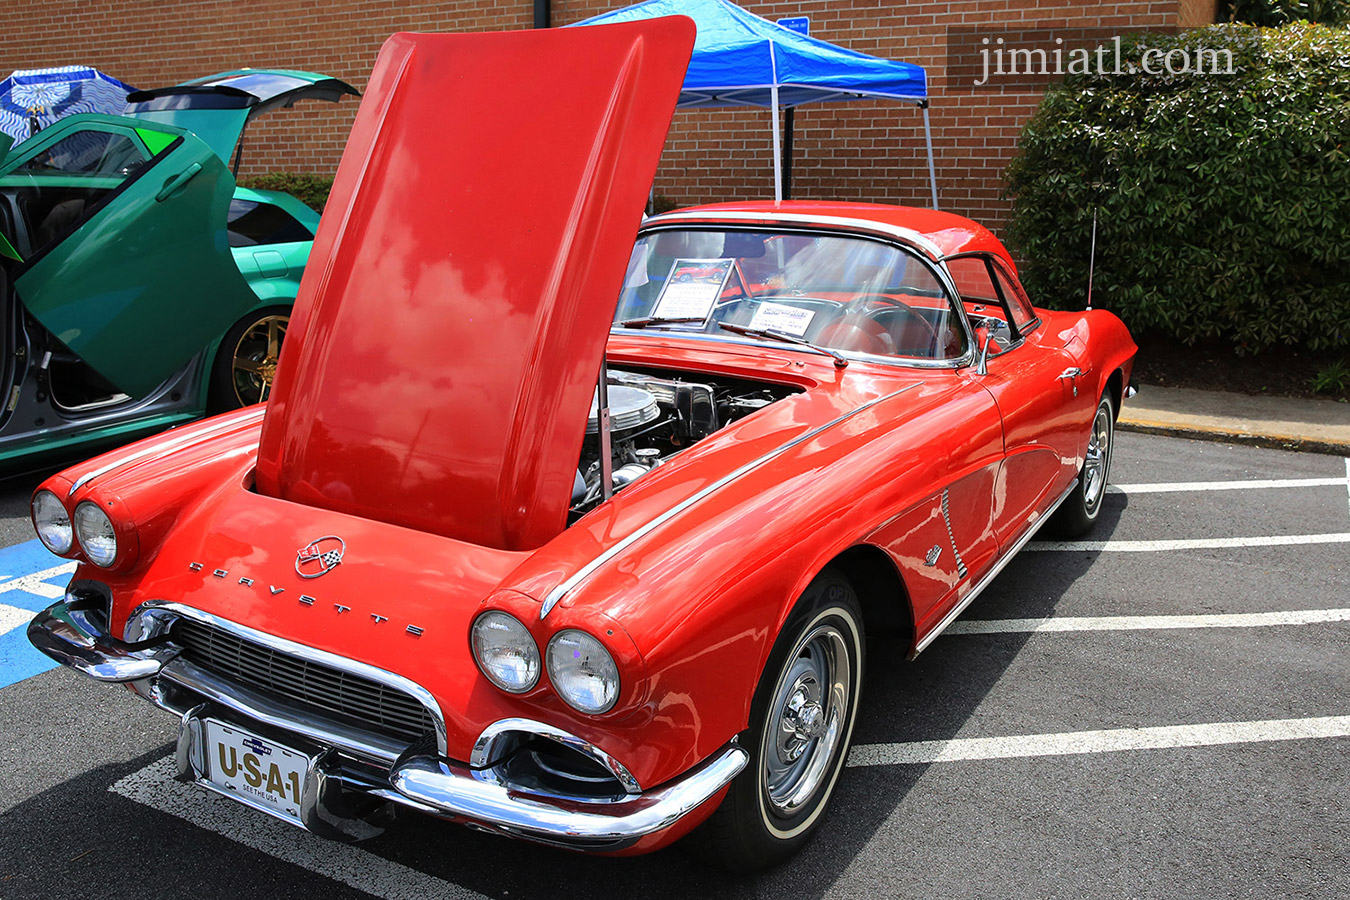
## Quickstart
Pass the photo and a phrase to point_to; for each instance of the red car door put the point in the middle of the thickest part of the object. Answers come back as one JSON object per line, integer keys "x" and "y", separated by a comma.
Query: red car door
{"x": 1034, "y": 377}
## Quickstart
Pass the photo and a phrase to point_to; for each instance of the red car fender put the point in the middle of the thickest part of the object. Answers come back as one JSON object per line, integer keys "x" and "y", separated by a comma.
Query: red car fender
{"x": 705, "y": 654}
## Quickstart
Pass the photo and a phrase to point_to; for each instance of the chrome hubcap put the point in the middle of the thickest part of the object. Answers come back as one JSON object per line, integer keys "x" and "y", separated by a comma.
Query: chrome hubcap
{"x": 1098, "y": 459}
{"x": 807, "y": 719}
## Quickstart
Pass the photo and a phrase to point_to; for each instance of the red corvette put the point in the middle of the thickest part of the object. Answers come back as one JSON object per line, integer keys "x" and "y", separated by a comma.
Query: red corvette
{"x": 501, "y": 551}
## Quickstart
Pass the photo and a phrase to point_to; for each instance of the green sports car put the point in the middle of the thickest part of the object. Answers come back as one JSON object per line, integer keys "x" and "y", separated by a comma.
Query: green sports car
{"x": 141, "y": 286}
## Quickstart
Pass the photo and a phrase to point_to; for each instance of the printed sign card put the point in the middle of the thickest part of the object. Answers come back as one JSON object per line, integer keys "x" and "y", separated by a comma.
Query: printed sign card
{"x": 692, "y": 288}
{"x": 782, "y": 318}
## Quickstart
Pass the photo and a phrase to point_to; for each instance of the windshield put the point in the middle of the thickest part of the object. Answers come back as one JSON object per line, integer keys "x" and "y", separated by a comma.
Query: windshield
{"x": 843, "y": 293}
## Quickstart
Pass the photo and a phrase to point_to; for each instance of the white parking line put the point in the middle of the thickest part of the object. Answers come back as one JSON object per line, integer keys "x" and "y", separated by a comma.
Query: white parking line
{"x": 155, "y": 787}
{"x": 1276, "y": 540}
{"x": 1168, "y": 487}
{"x": 1148, "y": 623}
{"x": 36, "y": 583}
{"x": 12, "y": 617}
{"x": 1347, "y": 479}
{"x": 1116, "y": 739}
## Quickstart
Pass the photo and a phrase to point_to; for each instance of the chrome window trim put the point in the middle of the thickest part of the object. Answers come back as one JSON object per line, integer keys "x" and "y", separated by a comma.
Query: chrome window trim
{"x": 847, "y": 228}
{"x": 989, "y": 260}
{"x": 154, "y": 618}
{"x": 484, "y": 749}
{"x": 993, "y": 259}
{"x": 989, "y": 576}
{"x": 551, "y": 599}
{"x": 906, "y": 236}
{"x": 1034, "y": 322}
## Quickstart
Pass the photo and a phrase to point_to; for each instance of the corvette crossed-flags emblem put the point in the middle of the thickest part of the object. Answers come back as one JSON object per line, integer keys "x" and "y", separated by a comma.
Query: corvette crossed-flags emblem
{"x": 320, "y": 556}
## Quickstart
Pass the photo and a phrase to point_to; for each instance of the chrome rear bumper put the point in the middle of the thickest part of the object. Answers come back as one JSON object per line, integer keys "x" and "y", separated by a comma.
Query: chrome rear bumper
{"x": 352, "y": 779}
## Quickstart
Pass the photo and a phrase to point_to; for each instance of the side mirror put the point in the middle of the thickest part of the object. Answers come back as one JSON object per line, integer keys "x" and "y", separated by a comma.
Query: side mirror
{"x": 984, "y": 340}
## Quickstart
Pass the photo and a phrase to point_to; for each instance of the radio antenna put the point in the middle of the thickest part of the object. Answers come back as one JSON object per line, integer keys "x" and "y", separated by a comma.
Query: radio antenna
{"x": 1092, "y": 256}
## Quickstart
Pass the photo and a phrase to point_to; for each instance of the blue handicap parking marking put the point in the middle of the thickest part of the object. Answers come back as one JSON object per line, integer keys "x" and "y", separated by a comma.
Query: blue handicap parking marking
{"x": 31, "y": 579}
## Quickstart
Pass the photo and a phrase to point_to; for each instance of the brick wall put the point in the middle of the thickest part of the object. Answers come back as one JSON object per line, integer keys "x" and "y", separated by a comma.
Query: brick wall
{"x": 869, "y": 151}
{"x": 874, "y": 151}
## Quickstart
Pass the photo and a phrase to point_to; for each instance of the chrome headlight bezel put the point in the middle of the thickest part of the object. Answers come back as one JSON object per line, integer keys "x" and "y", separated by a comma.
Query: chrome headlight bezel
{"x": 498, "y": 625}
{"x": 88, "y": 519}
{"x": 53, "y": 504}
{"x": 572, "y": 652}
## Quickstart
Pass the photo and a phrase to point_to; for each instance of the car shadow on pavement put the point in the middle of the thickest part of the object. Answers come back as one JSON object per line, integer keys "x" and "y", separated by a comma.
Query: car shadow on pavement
{"x": 80, "y": 832}
{"x": 80, "y": 838}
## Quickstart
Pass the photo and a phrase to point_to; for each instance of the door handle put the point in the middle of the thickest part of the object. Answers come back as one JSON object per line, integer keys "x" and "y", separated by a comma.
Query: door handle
{"x": 173, "y": 184}
{"x": 1070, "y": 372}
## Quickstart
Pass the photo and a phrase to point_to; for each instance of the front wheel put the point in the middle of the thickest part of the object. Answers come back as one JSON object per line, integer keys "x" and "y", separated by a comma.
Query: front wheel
{"x": 801, "y": 721}
{"x": 1079, "y": 511}
{"x": 246, "y": 363}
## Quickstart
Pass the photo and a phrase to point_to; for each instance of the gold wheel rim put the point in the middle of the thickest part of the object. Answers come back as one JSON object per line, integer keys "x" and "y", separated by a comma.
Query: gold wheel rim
{"x": 254, "y": 364}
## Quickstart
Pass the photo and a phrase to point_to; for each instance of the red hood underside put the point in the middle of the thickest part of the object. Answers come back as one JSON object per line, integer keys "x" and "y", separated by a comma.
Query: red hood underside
{"x": 451, "y": 322}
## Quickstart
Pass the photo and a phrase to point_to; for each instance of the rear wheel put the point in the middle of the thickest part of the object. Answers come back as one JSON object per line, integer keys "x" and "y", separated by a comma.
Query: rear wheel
{"x": 1079, "y": 511}
{"x": 801, "y": 721}
{"x": 246, "y": 363}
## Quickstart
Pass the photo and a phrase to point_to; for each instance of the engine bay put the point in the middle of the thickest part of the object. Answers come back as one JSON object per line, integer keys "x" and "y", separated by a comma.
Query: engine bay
{"x": 654, "y": 414}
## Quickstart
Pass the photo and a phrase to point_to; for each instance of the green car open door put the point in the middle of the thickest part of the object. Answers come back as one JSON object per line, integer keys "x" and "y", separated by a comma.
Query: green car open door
{"x": 135, "y": 288}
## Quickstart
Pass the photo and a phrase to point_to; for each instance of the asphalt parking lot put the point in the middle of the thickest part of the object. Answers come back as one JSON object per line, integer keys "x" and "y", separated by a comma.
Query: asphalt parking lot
{"x": 1160, "y": 711}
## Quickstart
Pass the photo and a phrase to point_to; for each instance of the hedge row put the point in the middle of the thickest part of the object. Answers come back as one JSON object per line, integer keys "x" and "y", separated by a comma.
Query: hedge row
{"x": 307, "y": 187}
{"x": 1223, "y": 200}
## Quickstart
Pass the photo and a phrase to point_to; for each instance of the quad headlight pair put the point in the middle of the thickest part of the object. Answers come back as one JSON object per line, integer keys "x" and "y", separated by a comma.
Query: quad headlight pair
{"x": 582, "y": 671}
{"x": 93, "y": 528}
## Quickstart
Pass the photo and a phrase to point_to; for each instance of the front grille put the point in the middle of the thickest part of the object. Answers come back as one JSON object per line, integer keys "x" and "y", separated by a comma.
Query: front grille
{"x": 340, "y": 695}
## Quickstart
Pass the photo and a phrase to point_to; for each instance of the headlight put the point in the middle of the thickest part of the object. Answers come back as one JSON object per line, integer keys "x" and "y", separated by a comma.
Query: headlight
{"x": 52, "y": 522}
{"x": 97, "y": 537}
{"x": 583, "y": 672}
{"x": 505, "y": 651}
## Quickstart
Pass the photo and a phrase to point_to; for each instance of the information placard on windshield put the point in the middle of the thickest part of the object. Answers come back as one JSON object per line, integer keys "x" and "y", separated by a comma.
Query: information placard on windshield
{"x": 692, "y": 288}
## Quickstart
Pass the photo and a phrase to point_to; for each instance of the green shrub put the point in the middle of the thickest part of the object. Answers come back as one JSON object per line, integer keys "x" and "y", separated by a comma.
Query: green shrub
{"x": 1282, "y": 12}
{"x": 1333, "y": 378}
{"x": 1224, "y": 200}
{"x": 309, "y": 188}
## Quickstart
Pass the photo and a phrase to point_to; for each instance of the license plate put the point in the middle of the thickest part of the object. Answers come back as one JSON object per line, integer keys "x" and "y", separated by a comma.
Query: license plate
{"x": 261, "y": 773}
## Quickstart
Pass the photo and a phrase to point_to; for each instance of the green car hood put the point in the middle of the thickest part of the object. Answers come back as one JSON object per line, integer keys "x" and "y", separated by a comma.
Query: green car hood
{"x": 218, "y": 107}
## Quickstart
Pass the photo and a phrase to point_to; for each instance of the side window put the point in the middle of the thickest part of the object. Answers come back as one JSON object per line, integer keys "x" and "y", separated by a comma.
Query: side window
{"x": 1024, "y": 316}
{"x": 251, "y": 223}
{"x": 93, "y": 153}
{"x": 64, "y": 184}
{"x": 975, "y": 284}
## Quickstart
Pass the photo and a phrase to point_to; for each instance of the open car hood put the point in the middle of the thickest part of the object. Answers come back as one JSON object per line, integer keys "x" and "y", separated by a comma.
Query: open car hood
{"x": 451, "y": 323}
{"x": 218, "y": 107}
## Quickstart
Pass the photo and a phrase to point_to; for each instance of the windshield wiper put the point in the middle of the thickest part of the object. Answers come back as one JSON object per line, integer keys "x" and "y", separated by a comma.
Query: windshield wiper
{"x": 659, "y": 320}
{"x": 839, "y": 361}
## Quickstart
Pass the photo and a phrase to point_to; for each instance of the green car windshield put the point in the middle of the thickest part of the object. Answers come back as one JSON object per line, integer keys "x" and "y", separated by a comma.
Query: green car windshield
{"x": 853, "y": 295}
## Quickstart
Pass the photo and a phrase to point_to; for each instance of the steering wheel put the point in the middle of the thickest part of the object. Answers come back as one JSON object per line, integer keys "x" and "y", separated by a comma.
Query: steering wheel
{"x": 927, "y": 336}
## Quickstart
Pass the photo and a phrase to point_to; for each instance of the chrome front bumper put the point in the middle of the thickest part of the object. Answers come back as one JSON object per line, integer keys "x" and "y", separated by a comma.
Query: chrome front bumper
{"x": 352, "y": 780}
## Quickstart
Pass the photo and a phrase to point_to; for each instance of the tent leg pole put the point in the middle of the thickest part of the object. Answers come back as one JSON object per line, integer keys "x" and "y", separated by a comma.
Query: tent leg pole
{"x": 777, "y": 150}
{"x": 928, "y": 140}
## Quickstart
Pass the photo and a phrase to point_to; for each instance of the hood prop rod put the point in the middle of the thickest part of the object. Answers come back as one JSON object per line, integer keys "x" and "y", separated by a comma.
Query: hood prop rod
{"x": 602, "y": 420}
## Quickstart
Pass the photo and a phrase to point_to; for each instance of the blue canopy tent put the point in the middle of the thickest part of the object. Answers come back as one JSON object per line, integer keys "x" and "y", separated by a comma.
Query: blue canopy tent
{"x": 31, "y": 99}
{"x": 743, "y": 60}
